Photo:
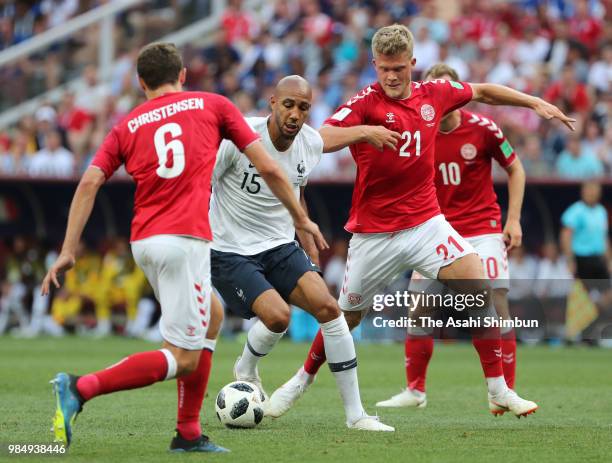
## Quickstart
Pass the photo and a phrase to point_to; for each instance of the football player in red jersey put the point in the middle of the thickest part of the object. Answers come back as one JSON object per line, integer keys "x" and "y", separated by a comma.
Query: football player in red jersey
{"x": 466, "y": 144}
{"x": 391, "y": 128}
{"x": 168, "y": 145}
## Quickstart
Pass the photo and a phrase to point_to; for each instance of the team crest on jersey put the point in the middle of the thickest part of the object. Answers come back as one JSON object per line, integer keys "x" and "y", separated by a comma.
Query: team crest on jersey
{"x": 191, "y": 330}
{"x": 427, "y": 112}
{"x": 354, "y": 298}
{"x": 301, "y": 168}
{"x": 390, "y": 118}
{"x": 468, "y": 151}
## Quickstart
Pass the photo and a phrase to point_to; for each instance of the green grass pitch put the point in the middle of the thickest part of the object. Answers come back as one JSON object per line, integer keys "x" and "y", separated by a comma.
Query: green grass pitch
{"x": 573, "y": 387}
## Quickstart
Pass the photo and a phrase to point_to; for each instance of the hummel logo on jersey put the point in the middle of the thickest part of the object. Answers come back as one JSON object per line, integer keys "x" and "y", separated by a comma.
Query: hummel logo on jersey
{"x": 191, "y": 331}
{"x": 240, "y": 294}
{"x": 390, "y": 118}
{"x": 498, "y": 352}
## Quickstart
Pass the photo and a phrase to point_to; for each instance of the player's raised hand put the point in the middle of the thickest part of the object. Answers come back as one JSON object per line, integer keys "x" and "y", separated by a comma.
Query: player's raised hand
{"x": 550, "y": 111}
{"x": 308, "y": 226}
{"x": 513, "y": 234}
{"x": 64, "y": 262}
{"x": 381, "y": 137}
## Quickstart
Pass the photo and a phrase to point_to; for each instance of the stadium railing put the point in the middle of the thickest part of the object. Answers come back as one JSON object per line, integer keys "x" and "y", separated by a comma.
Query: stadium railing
{"x": 105, "y": 16}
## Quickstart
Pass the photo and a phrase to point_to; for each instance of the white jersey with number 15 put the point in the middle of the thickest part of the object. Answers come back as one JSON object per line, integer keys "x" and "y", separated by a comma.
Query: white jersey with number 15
{"x": 246, "y": 217}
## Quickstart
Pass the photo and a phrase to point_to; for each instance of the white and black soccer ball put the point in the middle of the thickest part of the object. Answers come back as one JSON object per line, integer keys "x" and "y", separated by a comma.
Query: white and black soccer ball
{"x": 240, "y": 405}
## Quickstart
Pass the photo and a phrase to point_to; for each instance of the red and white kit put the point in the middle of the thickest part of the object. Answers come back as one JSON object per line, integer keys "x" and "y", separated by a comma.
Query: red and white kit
{"x": 465, "y": 188}
{"x": 395, "y": 217}
{"x": 169, "y": 146}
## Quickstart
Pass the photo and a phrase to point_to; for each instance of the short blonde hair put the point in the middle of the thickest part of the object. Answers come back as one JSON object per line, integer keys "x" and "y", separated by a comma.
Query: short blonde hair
{"x": 441, "y": 69}
{"x": 391, "y": 40}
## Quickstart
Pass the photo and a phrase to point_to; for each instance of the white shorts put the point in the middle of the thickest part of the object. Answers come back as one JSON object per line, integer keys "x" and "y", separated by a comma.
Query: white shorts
{"x": 375, "y": 260}
{"x": 178, "y": 269}
{"x": 492, "y": 251}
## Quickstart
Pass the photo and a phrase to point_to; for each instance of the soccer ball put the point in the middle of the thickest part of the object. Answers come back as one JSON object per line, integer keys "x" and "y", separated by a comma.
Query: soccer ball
{"x": 240, "y": 405}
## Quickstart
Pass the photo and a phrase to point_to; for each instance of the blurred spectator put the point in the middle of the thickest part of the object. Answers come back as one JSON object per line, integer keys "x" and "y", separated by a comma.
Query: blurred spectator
{"x": 53, "y": 160}
{"x": 533, "y": 158}
{"x": 523, "y": 270}
{"x": 239, "y": 25}
{"x": 568, "y": 93}
{"x": 600, "y": 74}
{"x": 578, "y": 161}
{"x": 91, "y": 95}
{"x": 553, "y": 279}
{"x": 426, "y": 50}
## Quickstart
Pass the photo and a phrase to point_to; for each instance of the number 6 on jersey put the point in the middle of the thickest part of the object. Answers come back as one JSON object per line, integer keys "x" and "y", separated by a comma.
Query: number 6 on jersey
{"x": 162, "y": 148}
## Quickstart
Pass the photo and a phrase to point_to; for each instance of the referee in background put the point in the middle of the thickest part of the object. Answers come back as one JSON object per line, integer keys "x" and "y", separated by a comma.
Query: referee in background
{"x": 584, "y": 238}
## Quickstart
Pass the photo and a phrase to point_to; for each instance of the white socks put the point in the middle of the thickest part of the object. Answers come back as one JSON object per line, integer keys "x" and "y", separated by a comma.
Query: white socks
{"x": 260, "y": 341}
{"x": 496, "y": 385}
{"x": 340, "y": 352}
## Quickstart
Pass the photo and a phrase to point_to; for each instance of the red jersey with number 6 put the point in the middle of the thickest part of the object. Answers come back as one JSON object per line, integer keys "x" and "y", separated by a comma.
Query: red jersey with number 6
{"x": 394, "y": 188}
{"x": 463, "y": 174}
{"x": 169, "y": 146}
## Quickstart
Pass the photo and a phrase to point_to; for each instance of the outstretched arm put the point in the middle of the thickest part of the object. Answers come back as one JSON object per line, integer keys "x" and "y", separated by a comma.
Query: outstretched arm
{"x": 80, "y": 210}
{"x": 513, "y": 233}
{"x": 494, "y": 94}
{"x": 278, "y": 182}
{"x": 336, "y": 138}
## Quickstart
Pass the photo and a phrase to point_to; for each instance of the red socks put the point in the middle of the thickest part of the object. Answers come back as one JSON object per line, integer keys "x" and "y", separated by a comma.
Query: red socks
{"x": 418, "y": 351}
{"x": 191, "y": 390}
{"x": 508, "y": 345}
{"x": 316, "y": 355}
{"x": 488, "y": 345}
{"x": 137, "y": 370}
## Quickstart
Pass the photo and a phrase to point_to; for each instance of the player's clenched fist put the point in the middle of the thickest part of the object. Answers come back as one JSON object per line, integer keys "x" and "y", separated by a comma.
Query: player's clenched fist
{"x": 381, "y": 137}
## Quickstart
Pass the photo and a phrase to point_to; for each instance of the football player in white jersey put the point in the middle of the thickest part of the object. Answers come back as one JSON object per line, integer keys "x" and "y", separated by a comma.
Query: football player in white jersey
{"x": 258, "y": 267}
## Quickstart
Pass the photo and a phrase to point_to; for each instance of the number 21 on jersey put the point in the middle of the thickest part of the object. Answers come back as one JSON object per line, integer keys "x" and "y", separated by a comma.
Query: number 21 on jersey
{"x": 409, "y": 137}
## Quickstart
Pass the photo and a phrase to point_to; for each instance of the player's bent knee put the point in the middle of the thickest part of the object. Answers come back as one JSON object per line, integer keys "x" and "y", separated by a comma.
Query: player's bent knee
{"x": 328, "y": 310}
{"x": 277, "y": 321}
{"x": 353, "y": 318}
{"x": 187, "y": 362}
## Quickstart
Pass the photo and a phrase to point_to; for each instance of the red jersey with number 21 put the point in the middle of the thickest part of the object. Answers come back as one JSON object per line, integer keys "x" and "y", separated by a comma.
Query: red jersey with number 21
{"x": 394, "y": 188}
{"x": 169, "y": 146}
{"x": 463, "y": 174}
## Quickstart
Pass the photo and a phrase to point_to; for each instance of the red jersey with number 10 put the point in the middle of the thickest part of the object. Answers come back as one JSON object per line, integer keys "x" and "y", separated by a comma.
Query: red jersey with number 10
{"x": 394, "y": 188}
{"x": 169, "y": 146}
{"x": 463, "y": 174}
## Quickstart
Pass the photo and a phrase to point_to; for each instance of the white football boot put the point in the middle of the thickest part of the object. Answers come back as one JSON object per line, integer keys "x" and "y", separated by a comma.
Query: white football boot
{"x": 256, "y": 380}
{"x": 370, "y": 423}
{"x": 406, "y": 398}
{"x": 509, "y": 401}
{"x": 288, "y": 394}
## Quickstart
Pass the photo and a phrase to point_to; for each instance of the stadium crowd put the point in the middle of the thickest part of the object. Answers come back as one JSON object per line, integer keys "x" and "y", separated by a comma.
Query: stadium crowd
{"x": 556, "y": 49}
